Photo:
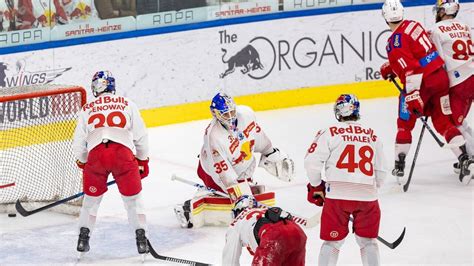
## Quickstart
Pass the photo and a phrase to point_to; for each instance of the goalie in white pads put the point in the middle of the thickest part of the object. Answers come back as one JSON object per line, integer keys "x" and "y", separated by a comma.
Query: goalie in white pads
{"x": 227, "y": 163}
{"x": 111, "y": 138}
{"x": 352, "y": 158}
{"x": 270, "y": 235}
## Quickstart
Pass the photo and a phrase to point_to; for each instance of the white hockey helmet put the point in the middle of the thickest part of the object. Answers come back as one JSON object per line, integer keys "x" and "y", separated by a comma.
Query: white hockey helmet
{"x": 450, "y": 7}
{"x": 392, "y": 11}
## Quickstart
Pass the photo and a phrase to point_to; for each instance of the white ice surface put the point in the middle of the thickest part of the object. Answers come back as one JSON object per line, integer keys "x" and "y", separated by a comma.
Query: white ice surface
{"x": 437, "y": 210}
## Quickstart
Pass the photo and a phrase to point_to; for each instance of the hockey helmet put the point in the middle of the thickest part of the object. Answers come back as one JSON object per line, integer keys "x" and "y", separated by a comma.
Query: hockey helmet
{"x": 347, "y": 105}
{"x": 450, "y": 7}
{"x": 223, "y": 108}
{"x": 103, "y": 81}
{"x": 244, "y": 202}
{"x": 392, "y": 11}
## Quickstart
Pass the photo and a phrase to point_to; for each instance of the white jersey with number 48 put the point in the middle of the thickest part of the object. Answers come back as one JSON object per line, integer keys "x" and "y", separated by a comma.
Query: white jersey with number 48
{"x": 352, "y": 158}
{"x": 110, "y": 117}
{"x": 453, "y": 39}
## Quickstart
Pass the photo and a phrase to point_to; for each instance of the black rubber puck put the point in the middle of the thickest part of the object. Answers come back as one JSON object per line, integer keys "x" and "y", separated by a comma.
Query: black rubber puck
{"x": 12, "y": 215}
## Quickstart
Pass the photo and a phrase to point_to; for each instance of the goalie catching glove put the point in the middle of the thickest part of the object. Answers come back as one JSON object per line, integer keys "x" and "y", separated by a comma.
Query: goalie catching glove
{"x": 278, "y": 164}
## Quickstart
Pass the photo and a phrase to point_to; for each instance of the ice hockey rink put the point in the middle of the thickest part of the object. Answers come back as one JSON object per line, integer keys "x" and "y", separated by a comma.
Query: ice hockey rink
{"x": 437, "y": 210}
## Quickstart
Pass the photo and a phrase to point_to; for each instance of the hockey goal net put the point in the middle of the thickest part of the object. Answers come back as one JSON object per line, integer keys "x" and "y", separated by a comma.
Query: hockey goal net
{"x": 37, "y": 165}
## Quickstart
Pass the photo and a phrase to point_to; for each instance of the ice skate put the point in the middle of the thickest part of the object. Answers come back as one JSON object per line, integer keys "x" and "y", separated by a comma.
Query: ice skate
{"x": 182, "y": 214}
{"x": 466, "y": 164}
{"x": 142, "y": 245}
{"x": 83, "y": 241}
{"x": 399, "y": 169}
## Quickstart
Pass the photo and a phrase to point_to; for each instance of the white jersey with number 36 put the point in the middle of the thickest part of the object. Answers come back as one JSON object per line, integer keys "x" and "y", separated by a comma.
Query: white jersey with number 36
{"x": 110, "y": 117}
{"x": 453, "y": 39}
{"x": 352, "y": 157}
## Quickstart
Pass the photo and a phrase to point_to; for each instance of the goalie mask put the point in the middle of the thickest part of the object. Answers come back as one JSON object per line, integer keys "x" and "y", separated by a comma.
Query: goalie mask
{"x": 223, "y": 109}
{"x": 103, "y": 81}
{"x": 445, "y": 7}
{"x": 347, "y": 108}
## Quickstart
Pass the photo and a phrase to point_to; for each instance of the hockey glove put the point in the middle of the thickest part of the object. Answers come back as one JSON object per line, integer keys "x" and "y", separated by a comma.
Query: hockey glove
{"x": 143, "y": 167}
{"x": 278, "y": 164}
{"x": 316, "y": 195}
{"x": 80, "y": 164}
{"x": 414, "y": 103}
{"x": 386, "y": 71}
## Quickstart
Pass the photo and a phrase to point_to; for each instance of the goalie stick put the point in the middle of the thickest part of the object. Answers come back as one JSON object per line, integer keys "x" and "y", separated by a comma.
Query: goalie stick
{"x": 308, "y": 223}
{"x": 425, "y": 123}
{"x": 21, "y": 210}
{"x": 171, "y": 259}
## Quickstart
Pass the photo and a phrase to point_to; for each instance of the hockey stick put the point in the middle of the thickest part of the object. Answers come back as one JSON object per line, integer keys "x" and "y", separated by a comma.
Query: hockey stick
{"x": 171, "y": 259}
{"x": 308, "y": 223}
{"x": 7, "y": 185}
{"x": 21, "y": 210}
{"x": 392, "y": 245}
{"x": 415, "y": 156}
{"x": 425, "y": 123}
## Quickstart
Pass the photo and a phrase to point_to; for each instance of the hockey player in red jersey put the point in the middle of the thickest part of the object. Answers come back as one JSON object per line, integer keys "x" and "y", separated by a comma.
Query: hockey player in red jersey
{"x": 111, "y": 138}
{"x": 414, "y": 59}
{"x": 453, "y": 39}
{"x": 227, "y": 160}
{"x": 268, "y": 234}
{"x": 351, "y": 156}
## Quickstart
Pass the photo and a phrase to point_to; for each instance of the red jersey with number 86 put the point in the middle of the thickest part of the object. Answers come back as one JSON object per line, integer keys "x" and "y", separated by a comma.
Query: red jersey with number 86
{"x": 110, "y": 118}
{"x": 351, "y": 156}
{"x": 410, "y": 51}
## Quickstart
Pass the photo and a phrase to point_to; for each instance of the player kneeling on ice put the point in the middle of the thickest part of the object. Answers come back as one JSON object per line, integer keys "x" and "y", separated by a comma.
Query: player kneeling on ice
{"x": 270, "y": 235}
{"x": 111, "y": 137}
{"x": 351, "y": 155}
{"x": 227, "y": 164}
{"x": 453, "y": 39}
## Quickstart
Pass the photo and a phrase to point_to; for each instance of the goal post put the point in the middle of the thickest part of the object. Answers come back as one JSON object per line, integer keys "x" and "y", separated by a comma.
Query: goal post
{"x": 37, "y": 165}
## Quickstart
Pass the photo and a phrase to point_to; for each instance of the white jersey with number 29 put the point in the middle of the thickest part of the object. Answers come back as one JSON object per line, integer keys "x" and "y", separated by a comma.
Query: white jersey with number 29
{"x": 352, "y": 158}
{"x": 110, "y": 117}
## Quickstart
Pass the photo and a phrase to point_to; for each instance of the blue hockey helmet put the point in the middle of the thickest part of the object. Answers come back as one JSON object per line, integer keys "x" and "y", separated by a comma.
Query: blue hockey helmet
{"x": 103, "y": 81}
{"x": 347, "y": 107}
{"x": 223, "y": 108}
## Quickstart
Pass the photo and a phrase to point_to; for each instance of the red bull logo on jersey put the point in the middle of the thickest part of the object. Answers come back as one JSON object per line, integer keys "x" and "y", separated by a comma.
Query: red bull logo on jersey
{"x": 350, "y": 133}
{"x": 104, "y": 103}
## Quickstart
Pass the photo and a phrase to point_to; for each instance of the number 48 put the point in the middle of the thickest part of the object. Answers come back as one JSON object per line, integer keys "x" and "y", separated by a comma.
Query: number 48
{"x": 366, "y": 154}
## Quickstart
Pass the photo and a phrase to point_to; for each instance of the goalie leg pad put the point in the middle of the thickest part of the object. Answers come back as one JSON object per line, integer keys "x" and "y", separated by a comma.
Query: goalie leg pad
{"x": 216, "y": 210}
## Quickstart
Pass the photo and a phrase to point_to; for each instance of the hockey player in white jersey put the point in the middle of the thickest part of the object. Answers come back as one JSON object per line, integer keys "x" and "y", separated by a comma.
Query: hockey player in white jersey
{"x": 227, "y": 160}
{"x": 453, "y": 40}
{"x": 269, "y": 235}
{"x": 111, "y": 138}
{"x": 352, "y": 158}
